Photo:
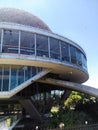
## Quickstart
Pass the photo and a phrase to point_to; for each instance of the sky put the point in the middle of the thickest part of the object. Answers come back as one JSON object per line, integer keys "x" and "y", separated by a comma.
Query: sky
{"x": 74, "y": 19}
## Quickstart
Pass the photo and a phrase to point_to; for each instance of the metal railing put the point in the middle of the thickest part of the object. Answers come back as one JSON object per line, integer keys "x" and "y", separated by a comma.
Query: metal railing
{"x": 82, "y": 127}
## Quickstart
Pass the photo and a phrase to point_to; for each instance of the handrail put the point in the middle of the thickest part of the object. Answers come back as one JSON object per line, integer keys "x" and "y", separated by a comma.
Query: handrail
{"x": 80, "y": 127}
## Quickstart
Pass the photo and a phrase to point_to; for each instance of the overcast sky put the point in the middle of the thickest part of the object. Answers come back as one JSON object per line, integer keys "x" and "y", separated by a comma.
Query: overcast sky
{"x": 74, "y": 19}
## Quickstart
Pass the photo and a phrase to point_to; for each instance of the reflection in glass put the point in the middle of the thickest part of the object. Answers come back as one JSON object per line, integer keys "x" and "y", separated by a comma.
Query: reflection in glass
{"x": 27, "y": 72}
{"x": 79, "y": 57}
{"x": 10, "y": 41}
{"x": 54, "y": 48}
{"x": 14, "y": 78}
{"x": 84, "y": 62}
{"x": 33, "y": 71}
{"x": 27, "y": 44}
{"x": 6, "y": 79}
{"x": 64, "y": 51}
{"x": 0, "y": 39}
{"x": 0, "y": 78}
{"x": 73, "y": 54}
{"x": 42, "y": 46}
{"x": 20, "y": 75}
{"x": 45, "y": 47}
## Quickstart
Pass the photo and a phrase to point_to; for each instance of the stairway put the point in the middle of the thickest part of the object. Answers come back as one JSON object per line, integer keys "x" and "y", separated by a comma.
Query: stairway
{"x": 30, "y": 108}
{"x": 10, "y": 93}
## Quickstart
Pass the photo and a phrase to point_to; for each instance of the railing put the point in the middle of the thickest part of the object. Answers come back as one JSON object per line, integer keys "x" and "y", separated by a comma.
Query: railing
{"x": 82, "y": 127}
{"x": 6, "y": 123}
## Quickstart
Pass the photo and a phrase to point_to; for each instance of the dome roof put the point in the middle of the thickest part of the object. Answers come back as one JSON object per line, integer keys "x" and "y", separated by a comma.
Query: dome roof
{"x": 21, "y": 17}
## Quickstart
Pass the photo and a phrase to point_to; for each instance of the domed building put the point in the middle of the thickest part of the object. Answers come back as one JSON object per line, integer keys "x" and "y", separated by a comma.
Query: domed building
{"x": 34, "y": 65}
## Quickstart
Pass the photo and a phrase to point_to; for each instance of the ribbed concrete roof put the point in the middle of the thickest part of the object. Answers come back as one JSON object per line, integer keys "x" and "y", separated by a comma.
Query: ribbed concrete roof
{"x": 21, "y": 17}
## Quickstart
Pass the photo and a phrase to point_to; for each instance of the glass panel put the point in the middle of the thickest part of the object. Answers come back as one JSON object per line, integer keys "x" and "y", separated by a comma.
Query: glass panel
{"x": 27, "y": 44}
{"x": 84, "y": 62}
{"x": 13, "y": 78}
{"x": 20, "y": 75}
{"x": 10, "y": 41}
{"x": 73, "y": 54}
{"x": 42, "y": 46}
{"x": 54, "y": 48}
{"x": 0, "y": 78}
{"x": 79, "y": 58}
{"x": 64, "y": 51}
{"x": 33, "y": 71}
{"x": 0, "y": 39}
{"x": 27, "y": 72}
{"x": 39, "y": 69}
{"x": 6, "y": 79}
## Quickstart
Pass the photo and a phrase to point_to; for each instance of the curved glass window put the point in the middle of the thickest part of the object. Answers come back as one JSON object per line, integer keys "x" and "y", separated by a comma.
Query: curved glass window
{"x": 0, "y": 40}
{"x": 14, "y": 41}
{"x": 79, "y": 57}
{"x": 10, "y": 41}
{"x": 20, "y": 75}
{"x": 27, "y": 44}
{"x": 33, "y": 71}
{"x": 14, "y": 77}
{"x": 73, "y": 54}
{"x": 84, "y": 65}
{"x": 0, "y": 78}
{"x": 64, "y": 52}
{"x": 42, "y": 46}
{"x": 27, "y": 72}
{"x": 5, "y": 78}
{"x": 54, "y": 48}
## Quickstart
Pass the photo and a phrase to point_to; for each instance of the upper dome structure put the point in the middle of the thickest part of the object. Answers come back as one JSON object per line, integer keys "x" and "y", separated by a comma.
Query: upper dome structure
{"x": 21, "y": 17}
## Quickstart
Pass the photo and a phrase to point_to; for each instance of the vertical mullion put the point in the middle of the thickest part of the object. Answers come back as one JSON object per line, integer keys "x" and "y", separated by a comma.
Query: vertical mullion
{"x": 24, "y": 73}
{"x": 2, "y": 78}
{"x": 9, "y": 79}
{"x": 35, "y": 43}
{"x": 17, "y": 76}
{"x": 2, "y": 34}
{"x": 49, "y": 46}
{"x": 60, "y": 51}
{"x": 69, "y": 53}
{"x": 19, "y": 42}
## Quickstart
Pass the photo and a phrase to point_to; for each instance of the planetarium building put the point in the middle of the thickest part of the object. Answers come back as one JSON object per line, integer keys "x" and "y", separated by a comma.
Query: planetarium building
{"x": 33, "y": 61}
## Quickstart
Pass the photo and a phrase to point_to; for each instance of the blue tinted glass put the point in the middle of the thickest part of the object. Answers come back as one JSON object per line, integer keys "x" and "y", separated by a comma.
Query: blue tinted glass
{"x": 10, "y": 41}
{"x": 64, "y": 51}
{"x": 0, "y": 79}
{"x": 20, "y": 75}
{"x": 54, "y": 48}
{"x": 6, "y": 79}
{"x": 27, "y": 44}
{"x": 79, "y": 58}
{"x": 42, "y": 46}
{"x": 73, "y": 54}
{"x": 27, "y": 72}
{"x": 13, "y": 83}
{"x": 33, "y": 71}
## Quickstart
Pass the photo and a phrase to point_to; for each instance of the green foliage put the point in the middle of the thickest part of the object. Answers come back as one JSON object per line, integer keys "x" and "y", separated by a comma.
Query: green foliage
{"x": 68, "y": 117}
{"x": 66, "y": 113}
{"x": 76, "y": 97}
{"x": 73, "y": 99}
{"x": 87, "y": 98}
{"x": 73, "y": 118}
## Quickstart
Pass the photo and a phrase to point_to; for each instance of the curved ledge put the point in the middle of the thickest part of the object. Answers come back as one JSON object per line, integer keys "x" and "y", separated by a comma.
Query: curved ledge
{"x": 76, "y": 73}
